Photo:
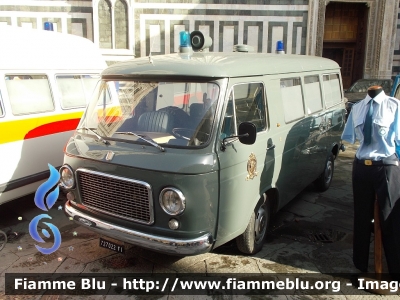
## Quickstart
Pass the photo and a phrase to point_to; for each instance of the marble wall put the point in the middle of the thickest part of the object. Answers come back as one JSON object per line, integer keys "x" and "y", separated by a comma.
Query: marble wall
{"x": 75, "y": 17}
{"x": 157, "y": 25}
{"x": 124, "y": 29}
{"x": 396, "y": 54}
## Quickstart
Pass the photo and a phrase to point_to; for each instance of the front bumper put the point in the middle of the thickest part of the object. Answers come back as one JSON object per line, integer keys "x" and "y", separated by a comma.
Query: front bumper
{"x": 195, "y": 246}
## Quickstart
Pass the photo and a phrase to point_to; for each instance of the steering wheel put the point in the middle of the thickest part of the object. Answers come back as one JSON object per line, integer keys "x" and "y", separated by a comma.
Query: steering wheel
{"x": 183, "y": 133}
{"x": 187, "y": 134}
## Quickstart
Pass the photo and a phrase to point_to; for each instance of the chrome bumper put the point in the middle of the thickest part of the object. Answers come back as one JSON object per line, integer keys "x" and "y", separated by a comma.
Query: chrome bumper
{"x": 157, "y": 243}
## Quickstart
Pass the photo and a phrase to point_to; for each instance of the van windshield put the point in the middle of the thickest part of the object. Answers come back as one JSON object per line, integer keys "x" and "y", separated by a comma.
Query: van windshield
{"x": 177, "y": 114}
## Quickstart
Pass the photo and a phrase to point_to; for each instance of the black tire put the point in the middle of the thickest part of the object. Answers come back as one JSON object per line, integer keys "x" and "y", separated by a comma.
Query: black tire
{"x": 252, "y": 239}
{"x": 323, "y": 182}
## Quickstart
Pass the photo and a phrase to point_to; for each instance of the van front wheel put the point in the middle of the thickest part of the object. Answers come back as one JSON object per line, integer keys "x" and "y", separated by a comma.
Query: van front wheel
{"x": 323, "y": 182}
{"x": 252, "y": 240}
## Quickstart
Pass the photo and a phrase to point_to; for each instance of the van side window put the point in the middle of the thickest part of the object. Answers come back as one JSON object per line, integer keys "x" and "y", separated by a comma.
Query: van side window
{"x": 76, "y": 90}
{"x": 331, "y": 86}
{"x": 228, "y": 128}
{"x": 292, "y": 99}
{"x": 312, "y": 90}
{"x": 29, "y": 94}
{"x": 250, "y": 104}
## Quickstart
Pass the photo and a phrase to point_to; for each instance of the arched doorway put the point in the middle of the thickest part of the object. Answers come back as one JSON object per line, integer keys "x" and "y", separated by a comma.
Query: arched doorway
{"x": 344, "y": 41}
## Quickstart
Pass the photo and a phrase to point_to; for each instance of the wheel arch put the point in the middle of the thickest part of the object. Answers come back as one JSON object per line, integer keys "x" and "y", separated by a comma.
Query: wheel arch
{"x": 335, "y": 150}
{"x": 273, "y": 198}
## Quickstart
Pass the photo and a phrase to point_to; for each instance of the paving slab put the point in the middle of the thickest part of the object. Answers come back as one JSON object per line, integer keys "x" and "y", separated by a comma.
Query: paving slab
{"x": 289, "y": 260}
{"x": 120, "y": 263}
{"x": 303, "y": 208}
{"x": 36, "y": 263}
{"x": 86, "y": 251}
{"x": 176, "y": 263}
{"x": 71, "y": 265}
{"x": 231, "y": 264}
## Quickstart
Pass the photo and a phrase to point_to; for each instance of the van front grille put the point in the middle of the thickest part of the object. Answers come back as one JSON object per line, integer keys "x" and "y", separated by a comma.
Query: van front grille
{"x": 117, "y": 196}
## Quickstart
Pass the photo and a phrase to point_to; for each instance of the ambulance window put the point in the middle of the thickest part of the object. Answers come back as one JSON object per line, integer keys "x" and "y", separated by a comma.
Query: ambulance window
{"x": 312, "y": 90}
{"x": 104, "y": 95}
{"x": 1, "y": 106}
{"x": 76, "y": 90}
{"x": 332, "y": 93}
{"x": 228, "y": 128}
{"x": 180, "y": 94}
{"x": 292, "y": 99}
{"x": 29, "y": 94}
{"x": 250, "y": 104}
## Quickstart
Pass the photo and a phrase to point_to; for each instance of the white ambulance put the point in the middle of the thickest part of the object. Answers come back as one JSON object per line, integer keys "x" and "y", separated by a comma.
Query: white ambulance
{"x": 46, "y": 80}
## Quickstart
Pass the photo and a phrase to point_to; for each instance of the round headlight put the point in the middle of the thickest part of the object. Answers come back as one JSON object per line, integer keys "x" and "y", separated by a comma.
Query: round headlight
{"x": 172, "y": 201}
{"x": 67, "y": 179}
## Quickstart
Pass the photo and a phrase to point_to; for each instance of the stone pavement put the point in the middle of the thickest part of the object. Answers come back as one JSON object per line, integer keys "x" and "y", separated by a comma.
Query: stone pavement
{"x": 313, "y": 234}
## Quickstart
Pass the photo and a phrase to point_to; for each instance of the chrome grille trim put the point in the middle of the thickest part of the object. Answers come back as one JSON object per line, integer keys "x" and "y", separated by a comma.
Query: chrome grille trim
{"x": 116, "y": 200}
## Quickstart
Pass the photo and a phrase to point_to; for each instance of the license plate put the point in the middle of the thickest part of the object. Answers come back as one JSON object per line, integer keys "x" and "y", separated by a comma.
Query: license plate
{"x": 112, "y": 246}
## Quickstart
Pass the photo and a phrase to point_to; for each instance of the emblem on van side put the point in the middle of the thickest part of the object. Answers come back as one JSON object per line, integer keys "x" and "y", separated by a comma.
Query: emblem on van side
{"x": 251, "y": 167}
{"x": 110, "y": 155}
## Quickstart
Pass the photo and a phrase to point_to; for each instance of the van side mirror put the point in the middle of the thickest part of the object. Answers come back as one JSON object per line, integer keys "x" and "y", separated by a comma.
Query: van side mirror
{"x": 247, "y": 134}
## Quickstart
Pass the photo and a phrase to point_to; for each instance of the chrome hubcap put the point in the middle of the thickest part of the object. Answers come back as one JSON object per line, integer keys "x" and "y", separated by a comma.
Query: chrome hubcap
{"x": 260, "y": 223}
{"x": 328, "y": 172}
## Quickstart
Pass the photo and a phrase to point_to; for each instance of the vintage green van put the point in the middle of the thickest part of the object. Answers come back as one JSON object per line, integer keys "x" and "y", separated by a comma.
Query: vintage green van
{"x": 184, "y": 152}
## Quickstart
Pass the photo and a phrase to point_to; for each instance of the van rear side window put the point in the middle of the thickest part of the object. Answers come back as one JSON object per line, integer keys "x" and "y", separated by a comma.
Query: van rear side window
{"x": 29, "y": 93}
{"x": 76, "y": 90}
{"x": 292, "y": 99}
{"x": 332, "y": 94}
{"x": 312, "y": 90}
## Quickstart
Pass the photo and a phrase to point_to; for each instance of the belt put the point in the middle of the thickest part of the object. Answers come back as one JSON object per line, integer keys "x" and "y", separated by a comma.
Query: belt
{"x": 387, "y": 161}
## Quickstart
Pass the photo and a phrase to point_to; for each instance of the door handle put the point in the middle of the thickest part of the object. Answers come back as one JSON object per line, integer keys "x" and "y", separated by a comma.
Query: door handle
{"x": 270, "y": 147}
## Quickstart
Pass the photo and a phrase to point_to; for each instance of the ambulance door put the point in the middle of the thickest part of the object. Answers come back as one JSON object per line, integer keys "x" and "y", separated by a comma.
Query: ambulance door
{"x": 245, "y": 170}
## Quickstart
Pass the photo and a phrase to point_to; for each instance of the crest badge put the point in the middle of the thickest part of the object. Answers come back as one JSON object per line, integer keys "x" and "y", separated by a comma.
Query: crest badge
{"x": 251, "y": 167}
{"x": 110, "y": 155}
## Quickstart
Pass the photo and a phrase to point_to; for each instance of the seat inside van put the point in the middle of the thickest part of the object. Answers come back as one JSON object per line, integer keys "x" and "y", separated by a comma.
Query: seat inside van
{"x": 196, "y": 113}
{"x": 155, "y": 121}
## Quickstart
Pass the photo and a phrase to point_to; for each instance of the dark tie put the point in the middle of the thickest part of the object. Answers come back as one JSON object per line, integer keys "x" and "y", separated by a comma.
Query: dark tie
{"x": 368, "y": 124}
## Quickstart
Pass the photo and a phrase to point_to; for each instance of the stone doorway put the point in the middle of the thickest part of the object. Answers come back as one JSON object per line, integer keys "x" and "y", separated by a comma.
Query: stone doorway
{"x": 344, "y": 39}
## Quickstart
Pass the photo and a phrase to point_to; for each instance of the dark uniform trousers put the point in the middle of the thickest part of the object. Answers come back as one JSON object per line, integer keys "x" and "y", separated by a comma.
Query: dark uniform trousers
{"x": 383, "y": 180}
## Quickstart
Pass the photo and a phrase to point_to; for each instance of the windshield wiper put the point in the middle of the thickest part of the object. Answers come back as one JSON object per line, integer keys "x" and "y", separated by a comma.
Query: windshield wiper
{"x": 144, "y": 138}
{"x": 95, "y": 133}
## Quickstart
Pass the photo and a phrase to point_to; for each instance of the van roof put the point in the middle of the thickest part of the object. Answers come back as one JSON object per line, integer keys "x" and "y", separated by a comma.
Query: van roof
{"x": 33, "y": 49}
{"x": 219, "y": 65}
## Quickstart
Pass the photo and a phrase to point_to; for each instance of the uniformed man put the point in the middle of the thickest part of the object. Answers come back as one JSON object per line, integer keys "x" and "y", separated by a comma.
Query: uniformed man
{"x": 375, "y": 122}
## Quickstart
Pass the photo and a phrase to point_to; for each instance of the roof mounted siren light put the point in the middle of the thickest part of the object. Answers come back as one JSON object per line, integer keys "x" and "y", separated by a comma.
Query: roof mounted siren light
{"x": 184, "y": 42}
{"x": 199, "y": 41}
{"x": 243, "y": 48}
{"x": 195, "y": 41}
{"x": 48, "y": 26}
{"x": 279, "y": 48}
